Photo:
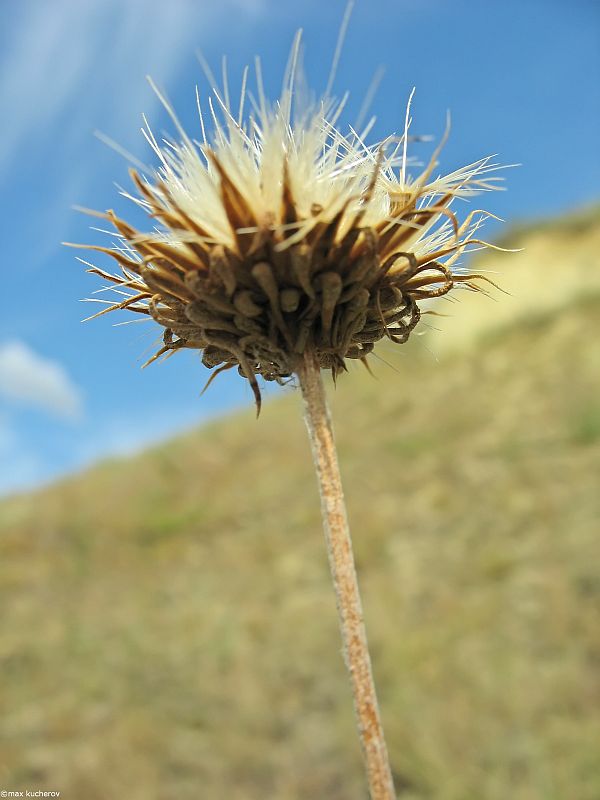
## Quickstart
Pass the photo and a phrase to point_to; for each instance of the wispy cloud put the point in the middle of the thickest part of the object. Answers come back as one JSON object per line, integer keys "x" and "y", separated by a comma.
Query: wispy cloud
{"x": 68, "y": 68}
{"x": 50, "y": 73}
{"x": 27, "y": 378}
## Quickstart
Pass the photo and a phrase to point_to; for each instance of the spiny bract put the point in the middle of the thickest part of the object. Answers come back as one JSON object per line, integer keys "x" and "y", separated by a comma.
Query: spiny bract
{"x": 279, "y": 234}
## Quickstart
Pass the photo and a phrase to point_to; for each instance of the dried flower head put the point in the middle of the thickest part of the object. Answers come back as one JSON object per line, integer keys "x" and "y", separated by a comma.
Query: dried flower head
{"x": 279, "y": 233}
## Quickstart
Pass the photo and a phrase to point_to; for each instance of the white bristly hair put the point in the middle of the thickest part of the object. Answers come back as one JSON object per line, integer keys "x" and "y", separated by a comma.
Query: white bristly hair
{"x": 327, "y": 169}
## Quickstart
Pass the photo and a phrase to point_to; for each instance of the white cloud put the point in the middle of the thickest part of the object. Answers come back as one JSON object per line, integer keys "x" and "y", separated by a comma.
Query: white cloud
{"x": 51, "y": 64}
{"x": 72, "y": 67}
{"x": 31, "y": 379}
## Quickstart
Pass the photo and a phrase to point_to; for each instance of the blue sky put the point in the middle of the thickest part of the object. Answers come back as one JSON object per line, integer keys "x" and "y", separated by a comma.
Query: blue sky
{"x": 520, "y": 78}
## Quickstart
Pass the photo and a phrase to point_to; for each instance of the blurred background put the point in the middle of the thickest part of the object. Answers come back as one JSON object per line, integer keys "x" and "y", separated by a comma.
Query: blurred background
{"x": 169, "y": 627}
{"x": 517, "y": 78}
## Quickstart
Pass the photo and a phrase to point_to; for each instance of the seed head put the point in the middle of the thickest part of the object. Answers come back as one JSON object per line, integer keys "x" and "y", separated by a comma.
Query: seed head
{"x": 279, "y": 233}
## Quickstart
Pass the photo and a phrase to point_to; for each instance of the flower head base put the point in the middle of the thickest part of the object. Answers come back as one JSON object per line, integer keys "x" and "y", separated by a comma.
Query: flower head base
{"x": 283, "y": 234}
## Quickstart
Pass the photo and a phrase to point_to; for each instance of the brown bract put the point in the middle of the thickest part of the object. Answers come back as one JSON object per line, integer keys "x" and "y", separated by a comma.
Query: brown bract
{"x": 258, "y": 306}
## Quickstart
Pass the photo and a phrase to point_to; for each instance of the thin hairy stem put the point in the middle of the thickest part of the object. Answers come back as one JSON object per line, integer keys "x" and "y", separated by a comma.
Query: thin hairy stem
{"x": 343, "y": 572}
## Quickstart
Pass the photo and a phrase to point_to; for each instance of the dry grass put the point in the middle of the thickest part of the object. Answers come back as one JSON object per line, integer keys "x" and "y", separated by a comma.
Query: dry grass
{"x": 169, "y": 629}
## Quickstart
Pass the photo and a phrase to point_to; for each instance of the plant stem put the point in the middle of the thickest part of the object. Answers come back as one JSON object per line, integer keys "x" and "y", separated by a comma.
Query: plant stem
{"x": 343, "y": 572}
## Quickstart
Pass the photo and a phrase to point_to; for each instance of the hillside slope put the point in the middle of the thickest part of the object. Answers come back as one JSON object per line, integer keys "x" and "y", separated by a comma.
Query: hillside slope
{"x": 169, "y": 629}
{"x": 557, "y": 262}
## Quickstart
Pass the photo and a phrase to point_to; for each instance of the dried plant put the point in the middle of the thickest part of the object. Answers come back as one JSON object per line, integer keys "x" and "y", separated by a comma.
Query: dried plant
{"x": 286, "y": 247}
